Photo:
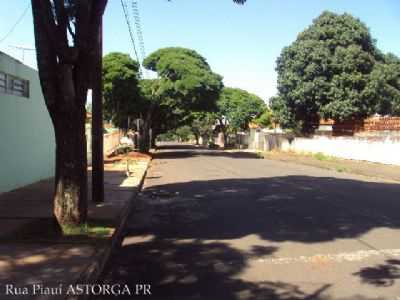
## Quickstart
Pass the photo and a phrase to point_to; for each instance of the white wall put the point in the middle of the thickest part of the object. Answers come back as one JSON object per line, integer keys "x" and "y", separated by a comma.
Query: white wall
{"x": 383, "y": 150}
{"x": 27, "y": 146}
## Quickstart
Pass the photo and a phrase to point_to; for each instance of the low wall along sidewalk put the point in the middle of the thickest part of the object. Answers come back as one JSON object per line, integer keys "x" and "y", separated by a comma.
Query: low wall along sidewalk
{"x": 383, "y": 150}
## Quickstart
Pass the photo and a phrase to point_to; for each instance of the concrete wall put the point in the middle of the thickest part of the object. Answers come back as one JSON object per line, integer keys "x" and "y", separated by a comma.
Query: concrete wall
{"x": 380, "y": 149}
{"x": 111, "y": 141}
{"x": 27, "y": 146}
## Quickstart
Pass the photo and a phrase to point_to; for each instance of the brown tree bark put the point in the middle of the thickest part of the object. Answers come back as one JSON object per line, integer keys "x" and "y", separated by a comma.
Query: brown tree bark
{"x": 64, "y": 72}
{"x": 145, "y": 141}
{"x": 153, "y": 139}
{"x": 70, "y": 199}
{"x": 197, "y": 137}
{"x": 145, "y": 138}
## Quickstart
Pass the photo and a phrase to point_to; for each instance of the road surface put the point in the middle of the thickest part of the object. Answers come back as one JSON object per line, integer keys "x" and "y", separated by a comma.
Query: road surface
{"x": 217, "y": 225}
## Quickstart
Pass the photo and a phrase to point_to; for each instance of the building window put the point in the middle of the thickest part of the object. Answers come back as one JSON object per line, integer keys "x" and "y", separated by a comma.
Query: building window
{"x": 3, "y": 82}
{"x": 13, "y": 85}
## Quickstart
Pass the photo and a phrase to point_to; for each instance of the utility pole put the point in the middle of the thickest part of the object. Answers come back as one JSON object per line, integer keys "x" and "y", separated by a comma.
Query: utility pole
{"x": 97, "y": 122}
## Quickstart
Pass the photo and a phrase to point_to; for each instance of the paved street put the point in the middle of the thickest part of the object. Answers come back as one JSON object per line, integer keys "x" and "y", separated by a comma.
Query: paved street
{"x": 217, "y": 225}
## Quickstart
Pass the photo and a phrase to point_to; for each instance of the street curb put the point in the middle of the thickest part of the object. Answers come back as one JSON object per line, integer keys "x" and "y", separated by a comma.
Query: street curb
{"x": 92, "y": 274}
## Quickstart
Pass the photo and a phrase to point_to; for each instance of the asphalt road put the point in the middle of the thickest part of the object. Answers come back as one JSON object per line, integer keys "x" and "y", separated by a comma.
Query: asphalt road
{"x": 216, "y": 225}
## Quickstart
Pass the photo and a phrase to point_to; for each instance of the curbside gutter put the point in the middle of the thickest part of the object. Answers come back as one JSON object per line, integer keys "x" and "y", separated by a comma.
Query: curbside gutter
{"x": 92, "y": 274}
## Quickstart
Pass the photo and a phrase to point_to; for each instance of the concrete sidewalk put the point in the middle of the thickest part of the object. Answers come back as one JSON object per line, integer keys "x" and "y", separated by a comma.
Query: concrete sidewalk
{"x": 32, "y": 254}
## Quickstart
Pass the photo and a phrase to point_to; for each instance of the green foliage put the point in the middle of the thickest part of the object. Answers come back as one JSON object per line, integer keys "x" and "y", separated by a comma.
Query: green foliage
{"x": 150, "y": 91}
{"x": 265, "y": 119}
{"x": 120, "y": 86}
{"x": 91, "y": 230}
{"x": 282, "y": 113}
{"x": 150, "y": 99}
{"x": 385, "y": 82}
{"x": 184, "y": 133}
{"x": 239, "y": 107}
{"x": 186, "y": 79}
{"x": 202, "y": 123}
{"x": 321, "y": 156}
{"x": 332, "y": 70}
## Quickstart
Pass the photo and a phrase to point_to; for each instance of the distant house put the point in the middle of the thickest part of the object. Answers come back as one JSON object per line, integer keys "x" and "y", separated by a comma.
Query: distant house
{"x": 27, "y": 146}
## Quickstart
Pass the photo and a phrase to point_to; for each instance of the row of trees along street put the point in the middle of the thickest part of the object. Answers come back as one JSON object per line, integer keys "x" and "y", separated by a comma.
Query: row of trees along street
{"x": 66, "y": 41}
{"x": 186, "y": 93}
{"x": 333, "y": 70}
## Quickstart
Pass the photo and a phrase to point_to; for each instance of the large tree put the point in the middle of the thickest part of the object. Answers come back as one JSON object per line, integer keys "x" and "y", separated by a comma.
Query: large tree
{"x": 237, "y": 107}
{"x": 326, "y": 73}
{"x": 66, "y": 33}
{"x": 186, "y": 83}
{"x": 150, "y": 107}
{"x": 121, "y": 91}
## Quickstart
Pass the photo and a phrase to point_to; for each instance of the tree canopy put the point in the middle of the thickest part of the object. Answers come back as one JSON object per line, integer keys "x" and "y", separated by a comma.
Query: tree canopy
{"x": 385, "y": 82}
{"x": 120, "y": 86}
{"x": 265, "y": 119}
{"x": 186, "y": 84}
{"x": 239, "y": 107}
{"x": 202, "y": 124}
{"x": 330, "y": 72}
{"x": 185, "y": 77}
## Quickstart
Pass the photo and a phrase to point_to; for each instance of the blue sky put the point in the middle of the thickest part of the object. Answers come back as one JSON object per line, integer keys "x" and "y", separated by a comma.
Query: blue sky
{"x": 240, "y": 42}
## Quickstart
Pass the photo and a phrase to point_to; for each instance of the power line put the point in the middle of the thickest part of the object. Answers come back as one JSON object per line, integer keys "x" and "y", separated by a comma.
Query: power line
{"x": 15, "y": 25}
{"x": 139, "y": 32}
{"x": 136, "y": 16}
{"x": 128, "y": 23}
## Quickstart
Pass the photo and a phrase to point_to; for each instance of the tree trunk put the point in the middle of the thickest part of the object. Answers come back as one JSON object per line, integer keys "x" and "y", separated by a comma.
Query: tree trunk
{"x": 63, "y": 57}
{"x": 144, "y": 145}
{"x": 153, "y": 139}
{"x": 146, "y": 140}
{"x": 70, "y": 199}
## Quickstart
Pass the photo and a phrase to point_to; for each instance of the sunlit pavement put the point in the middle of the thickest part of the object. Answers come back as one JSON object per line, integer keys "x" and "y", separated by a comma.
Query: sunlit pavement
{"x": 217, "y": 225}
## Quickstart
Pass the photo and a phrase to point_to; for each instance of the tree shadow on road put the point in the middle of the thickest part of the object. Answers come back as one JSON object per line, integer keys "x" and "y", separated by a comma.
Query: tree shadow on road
{"x": 381, "y": 275}
{"x": 187, "y": 151}
{"x": 291, "y": 208}
{"x": 178, "y": 235}
{"x": 196, "y": 270}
